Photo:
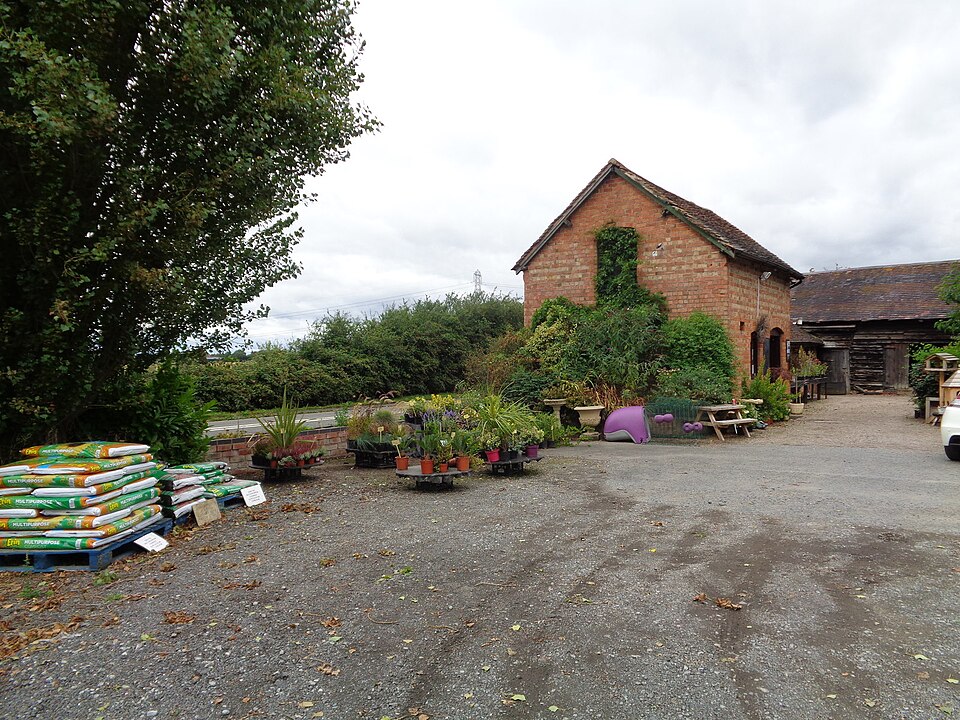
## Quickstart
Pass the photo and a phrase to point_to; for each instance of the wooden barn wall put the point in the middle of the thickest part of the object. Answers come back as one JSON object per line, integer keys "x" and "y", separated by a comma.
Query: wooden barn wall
{"x": 878, "y": 350}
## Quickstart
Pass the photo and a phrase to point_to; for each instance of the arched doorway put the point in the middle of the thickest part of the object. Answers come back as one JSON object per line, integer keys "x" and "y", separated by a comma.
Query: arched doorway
{"x": 775, "y": 355}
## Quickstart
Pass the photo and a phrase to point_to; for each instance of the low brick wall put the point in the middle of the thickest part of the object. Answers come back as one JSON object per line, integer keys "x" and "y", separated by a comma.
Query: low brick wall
{"x": 238, "y": 451}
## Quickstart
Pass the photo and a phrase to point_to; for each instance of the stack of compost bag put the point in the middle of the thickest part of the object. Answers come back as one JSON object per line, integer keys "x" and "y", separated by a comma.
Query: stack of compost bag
{"x": 78, "y": 496}
{"x": 196, "y": 482}
{"x": 184, "y": 486}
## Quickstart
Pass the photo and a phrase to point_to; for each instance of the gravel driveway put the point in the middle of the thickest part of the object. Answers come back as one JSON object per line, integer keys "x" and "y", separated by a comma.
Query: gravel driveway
{"x": 568, "y": 592}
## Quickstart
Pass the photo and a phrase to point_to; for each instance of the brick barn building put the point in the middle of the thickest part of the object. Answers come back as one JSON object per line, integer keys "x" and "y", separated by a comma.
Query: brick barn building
{"x": 695, "y": 258}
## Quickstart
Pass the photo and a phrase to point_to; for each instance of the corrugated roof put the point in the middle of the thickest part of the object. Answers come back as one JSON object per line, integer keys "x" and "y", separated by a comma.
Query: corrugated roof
{"x": 885, "y": 292}
{"x": 727, "y": 237}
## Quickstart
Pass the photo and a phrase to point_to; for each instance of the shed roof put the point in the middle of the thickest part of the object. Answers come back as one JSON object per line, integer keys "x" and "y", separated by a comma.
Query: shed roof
{"x": 800, "y": 336}
{"x": 728, "y": 238}
{"x": 884, "y": 292}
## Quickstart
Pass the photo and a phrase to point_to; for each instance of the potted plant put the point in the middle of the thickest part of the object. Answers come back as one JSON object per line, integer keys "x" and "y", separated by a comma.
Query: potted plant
{"x": 401, "y": 442}
{"x": 490, "y": 442}
{"x": 796, "y": 407}
{"x": 498, "y": 417}
{"x": 283, "y": 430}
{"x": 532, "y": 437}
{"x": 464, "y": 447}
{"x": 260, "y": 454}
{"x": 429, "y": 442}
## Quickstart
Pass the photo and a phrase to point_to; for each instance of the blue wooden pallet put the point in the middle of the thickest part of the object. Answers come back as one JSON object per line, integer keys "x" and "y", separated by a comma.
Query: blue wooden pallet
{"x": 227, "y": 502}
{"x": 14, "y": 560}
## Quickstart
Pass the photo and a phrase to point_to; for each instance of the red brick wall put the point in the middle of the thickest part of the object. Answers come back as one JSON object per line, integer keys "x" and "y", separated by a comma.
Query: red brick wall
{"x": 691, "y": 272}
{"x": 238, "y": 451}
{"x": 774, "y": 305}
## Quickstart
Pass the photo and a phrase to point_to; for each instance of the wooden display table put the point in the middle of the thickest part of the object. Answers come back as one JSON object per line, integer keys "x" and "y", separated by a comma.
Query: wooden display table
{"x": 721, "y": 416}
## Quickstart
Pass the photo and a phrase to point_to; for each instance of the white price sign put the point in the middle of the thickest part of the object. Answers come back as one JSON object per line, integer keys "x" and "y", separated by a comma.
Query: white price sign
{"x": 151, "y": 542}
{"x": 253, "y": 495}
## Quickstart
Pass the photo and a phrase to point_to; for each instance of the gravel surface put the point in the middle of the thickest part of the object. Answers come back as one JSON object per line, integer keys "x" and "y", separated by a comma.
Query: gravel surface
{"x": 567, "y": 592}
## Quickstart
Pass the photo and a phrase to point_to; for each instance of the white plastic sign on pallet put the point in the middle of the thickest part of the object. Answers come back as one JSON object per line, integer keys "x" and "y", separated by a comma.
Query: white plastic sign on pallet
{"x": 152, "y": 542}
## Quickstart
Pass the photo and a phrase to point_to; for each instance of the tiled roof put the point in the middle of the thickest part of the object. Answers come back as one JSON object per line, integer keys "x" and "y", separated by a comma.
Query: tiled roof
{"x": 886, "y": 292}
{"x": 728, "y": 238}
{"x": 798, "y": 334}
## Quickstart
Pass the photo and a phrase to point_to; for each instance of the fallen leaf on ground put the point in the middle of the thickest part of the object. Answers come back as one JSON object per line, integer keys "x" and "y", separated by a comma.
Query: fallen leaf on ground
{"x": 328, "y": 669}
{"x": 920, "y": 656}
{"x": 924, "y": 675}
{"x": 953, "y": 681}
{"x": 167, "y": 567}
{"x": 946, "y": 708}
{"x": 655, "y": 523}
{"x": 515, "y": 628}
{"x": 177, "y": 618}
{"x": 11, "y": 645}
{"x": 331, "y": 622}
{"x": 305, "y": 703}
{"x": 386, "y": 553}
{"x": 702, "y": 597}
{"x": 728, "y": 604}
{"x": 246, "y": 586}
{"x": 519, "y": 697}
{"x": 869, "y": 703}
{"x": 554, "y": 708}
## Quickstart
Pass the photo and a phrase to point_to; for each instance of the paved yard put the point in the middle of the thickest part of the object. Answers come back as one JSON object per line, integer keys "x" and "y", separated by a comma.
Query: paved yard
{"x": 568, "y": 592}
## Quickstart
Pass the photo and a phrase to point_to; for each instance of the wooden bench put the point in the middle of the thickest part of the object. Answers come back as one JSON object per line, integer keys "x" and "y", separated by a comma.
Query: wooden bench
{"x": 707, "y": 415}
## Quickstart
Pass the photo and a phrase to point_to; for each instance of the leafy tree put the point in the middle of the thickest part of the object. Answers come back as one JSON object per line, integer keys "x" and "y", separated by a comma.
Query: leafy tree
{"x": 949, "y": 291}
{"x": 151, "y": 158}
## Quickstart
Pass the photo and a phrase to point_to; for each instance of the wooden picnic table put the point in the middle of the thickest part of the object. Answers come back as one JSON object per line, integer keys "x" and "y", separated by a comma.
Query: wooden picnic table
{"x": 721, "y": 416}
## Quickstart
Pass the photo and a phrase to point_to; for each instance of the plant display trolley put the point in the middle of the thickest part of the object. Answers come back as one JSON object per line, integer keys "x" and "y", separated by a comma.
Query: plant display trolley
{"x": 512, "y": 466}
{"x": 444, "y": 479}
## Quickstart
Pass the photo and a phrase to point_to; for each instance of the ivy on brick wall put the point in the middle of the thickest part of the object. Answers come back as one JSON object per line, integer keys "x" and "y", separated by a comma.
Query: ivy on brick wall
{"x": 616, "y": 279}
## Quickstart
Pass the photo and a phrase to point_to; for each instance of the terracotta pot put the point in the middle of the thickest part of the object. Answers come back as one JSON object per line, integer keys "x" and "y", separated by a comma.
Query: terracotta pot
{"x": 426, "y": 466}
{"x": 444, "y": 467}
{"x": 402, "y": 462}
{"x": 493, "y": 455}
{"x": 532, "y": 451}
{"x": 463, "y": 463}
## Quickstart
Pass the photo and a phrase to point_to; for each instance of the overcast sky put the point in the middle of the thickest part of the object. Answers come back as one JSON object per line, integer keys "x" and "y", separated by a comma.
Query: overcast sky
{"x": 827, "y": 131}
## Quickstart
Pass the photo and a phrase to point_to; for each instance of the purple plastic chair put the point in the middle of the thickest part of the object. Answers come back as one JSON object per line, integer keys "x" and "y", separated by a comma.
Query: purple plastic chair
{"x": 627, "y": 423}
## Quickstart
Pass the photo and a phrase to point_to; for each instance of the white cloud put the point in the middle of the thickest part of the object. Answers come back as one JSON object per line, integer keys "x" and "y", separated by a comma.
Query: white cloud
{"x": 829, "y": 132}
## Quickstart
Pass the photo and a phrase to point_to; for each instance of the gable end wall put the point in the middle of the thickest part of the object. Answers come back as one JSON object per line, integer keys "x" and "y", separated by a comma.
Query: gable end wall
{"x": 691, "y": 272}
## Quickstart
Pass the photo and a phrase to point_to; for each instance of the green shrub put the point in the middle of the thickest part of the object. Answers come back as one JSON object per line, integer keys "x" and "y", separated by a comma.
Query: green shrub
{"x": 775, "y": 395}
{"x": 526, "y": 387}
{"x": 922, "y": 383}
{"x": 698, "y": 359}
{"x": 702, "y": 384}
{"x": 168, "y": 417}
